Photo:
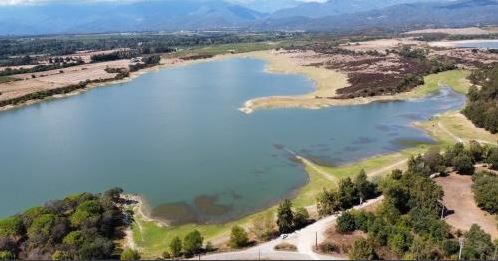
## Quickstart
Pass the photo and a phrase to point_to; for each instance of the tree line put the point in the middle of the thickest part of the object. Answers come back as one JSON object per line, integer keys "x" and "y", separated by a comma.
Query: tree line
{"x": 82, "y": 226}
{"x": 482, "y": 105}
{"x": 409, "y": 220}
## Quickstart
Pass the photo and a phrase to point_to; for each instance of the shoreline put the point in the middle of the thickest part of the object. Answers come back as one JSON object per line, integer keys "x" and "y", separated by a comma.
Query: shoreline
{"x": 322, "y": 78}
{"x": 454, "y": 44}
{"x": 169, "y": 63}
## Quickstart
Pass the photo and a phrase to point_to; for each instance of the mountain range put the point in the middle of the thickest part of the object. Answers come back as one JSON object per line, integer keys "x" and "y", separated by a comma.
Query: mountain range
{"x": 174, "y": 15}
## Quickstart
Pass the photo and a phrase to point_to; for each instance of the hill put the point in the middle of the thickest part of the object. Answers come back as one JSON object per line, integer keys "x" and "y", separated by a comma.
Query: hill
{"x": 92, "y": 17}
{"x": 396, "y": 18}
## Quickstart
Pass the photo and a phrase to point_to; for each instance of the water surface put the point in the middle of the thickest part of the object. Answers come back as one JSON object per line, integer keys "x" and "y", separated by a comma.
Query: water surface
{"x": 176, "y": 137}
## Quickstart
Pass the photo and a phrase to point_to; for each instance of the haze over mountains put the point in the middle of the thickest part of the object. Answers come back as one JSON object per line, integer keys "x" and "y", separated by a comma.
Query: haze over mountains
{"x": 174, "y": 15}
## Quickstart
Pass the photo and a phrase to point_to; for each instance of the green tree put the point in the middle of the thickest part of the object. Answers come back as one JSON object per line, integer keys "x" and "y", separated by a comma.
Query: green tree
{"x": 493, "y": 158}
{"x": 6, "y": 255}
{"x": 175, "y": 247}
{"x": 463, "y": 164}
{"x": 328, "y": 202}
{"x": 238, "y": 237}
{"x": 365, "y": 188}
{"x": 485, "y": 189}
{"x": 347, "y": 194}
{"x": 11, "y": 226}
{"x": 478, "y": 244}
{"x": 346, "y": 223}
{"x": 285, "y": 217}
{"x": 363, "y": 249}
{"x": 130, "y": 254}
{"x": 192, "y": 243}
{"x": 301, "y": 218}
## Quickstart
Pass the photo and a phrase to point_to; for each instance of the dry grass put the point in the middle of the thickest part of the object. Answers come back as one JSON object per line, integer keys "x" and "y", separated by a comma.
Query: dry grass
{"x": 286, "y": 247}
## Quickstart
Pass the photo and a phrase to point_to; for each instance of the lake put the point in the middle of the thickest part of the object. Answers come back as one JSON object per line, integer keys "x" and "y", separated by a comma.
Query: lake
{"x": 176, "y": 136}
{"x": 484, "y": 44}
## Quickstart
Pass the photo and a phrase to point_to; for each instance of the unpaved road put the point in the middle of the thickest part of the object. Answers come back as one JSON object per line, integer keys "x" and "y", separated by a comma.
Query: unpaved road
{"x": 303, "y": 239}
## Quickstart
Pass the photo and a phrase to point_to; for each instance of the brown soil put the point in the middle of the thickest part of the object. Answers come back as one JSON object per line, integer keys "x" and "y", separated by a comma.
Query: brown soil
{"x": 344, "y": 242}
{"x": 458, "y": 197}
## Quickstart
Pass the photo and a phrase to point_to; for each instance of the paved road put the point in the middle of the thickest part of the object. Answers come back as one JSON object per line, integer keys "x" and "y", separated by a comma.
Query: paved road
{"x": 303, "y": 239}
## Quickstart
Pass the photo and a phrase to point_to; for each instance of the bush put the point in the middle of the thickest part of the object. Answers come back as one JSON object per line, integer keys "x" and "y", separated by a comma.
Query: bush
{"x": 486, "y": 191}
{"x": 238, "y": 238}
{"x": 463, "y": 164}
{"x": 6, "y": 255}
{"x": 346, "y": 223}
{"x": 328, "y": 247}
{"x": 175, "y": 247}
{"x": 450, "y": 247}
{"x": 11, "y": 226}
{"x": 478, "y": 244}
{"x": 286, "y": 247}
{"x": 192, "y": 243}
{"x": 493, "y": 158}
{"x": 285, "y": 217}
{"x": 301, "y": 218}
{"x": 130, "y": 254}
{"x": 363, "y": 250}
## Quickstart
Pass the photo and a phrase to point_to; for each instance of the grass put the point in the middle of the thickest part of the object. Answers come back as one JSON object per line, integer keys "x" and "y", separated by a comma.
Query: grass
{"x": 153, "y": 239}
{"x": 5, "y": 79}
{"x": 456, "y": 79}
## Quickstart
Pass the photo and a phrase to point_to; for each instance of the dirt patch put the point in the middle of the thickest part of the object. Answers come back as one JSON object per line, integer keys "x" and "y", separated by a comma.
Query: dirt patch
{"x": 341, "y": 242}
{"x": 464, "y": 212}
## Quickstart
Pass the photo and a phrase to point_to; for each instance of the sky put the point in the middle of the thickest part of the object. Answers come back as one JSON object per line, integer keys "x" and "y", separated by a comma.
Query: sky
{"x": 18, "y": 2}
{"x": 267, "y": 6}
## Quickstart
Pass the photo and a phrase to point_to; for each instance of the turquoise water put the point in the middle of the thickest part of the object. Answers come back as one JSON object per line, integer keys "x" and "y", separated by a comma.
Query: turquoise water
{"x": 176, "y": 137}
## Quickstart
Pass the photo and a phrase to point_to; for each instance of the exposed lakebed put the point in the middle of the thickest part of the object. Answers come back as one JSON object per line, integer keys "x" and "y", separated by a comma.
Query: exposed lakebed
{"x": 176, "y": 137}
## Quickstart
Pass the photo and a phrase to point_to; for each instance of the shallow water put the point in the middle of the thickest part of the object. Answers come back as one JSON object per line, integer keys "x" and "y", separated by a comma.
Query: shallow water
{"x": 483, "y": 44}
{"x": 176, "y": 137}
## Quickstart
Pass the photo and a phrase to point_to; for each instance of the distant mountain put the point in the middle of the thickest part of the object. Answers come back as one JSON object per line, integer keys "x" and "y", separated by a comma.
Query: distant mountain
{"x": 174, "y": 15}
{"x": 340, "y": 7}
{"x": 267, "y": 6}
{"x": 397, "y": 18}
{"x": 114, "y": 16}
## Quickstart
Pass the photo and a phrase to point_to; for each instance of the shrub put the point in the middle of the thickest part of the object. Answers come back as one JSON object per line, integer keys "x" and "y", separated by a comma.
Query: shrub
{"x": 363, "y": 250}
{"x": 6, "y": 255}
{"x": 493, "y": 158}
{"x": 286, "y": 247}
{"x": 463, "y": 164}
{"x": 328, "y": 247}
{"x": 478, "y": 244}
{"x": 175, "y": 247}
{"x": 486, "y": 191}
{"x": 346, "y": 223}
{"x": 238, "y": 237}
{"x": 11, "y": 226}
{"x": 130, "y": 254}
{"x": 301, "y": 218}
{"x": 285, "y": 217}
{"x": 192, "y": 243}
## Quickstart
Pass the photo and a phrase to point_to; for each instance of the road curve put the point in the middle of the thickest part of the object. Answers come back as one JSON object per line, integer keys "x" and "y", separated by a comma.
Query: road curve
{"x": 304, "y": 239}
